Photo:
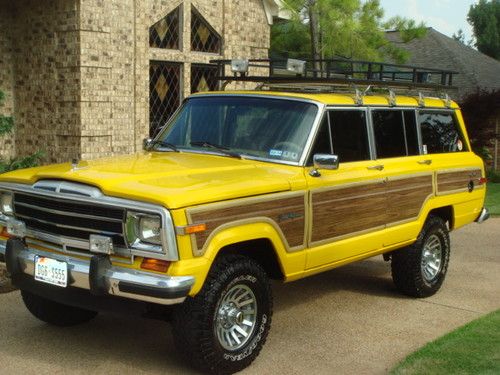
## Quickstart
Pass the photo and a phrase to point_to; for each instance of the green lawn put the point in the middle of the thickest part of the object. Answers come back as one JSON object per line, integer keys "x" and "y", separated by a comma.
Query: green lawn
{"x": 493, "y": 198}
{"x": 471, "y": 349}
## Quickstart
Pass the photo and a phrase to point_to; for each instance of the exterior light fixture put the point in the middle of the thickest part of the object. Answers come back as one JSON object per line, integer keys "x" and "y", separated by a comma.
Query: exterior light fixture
{"x": 239, "y": 66}
{"x": 296, "y": 66}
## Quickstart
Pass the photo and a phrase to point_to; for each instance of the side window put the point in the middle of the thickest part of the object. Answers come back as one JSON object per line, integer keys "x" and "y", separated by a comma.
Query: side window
{"x": 349, "y": 135}
{"x": 440, "y": 133}
{"x": 395, "y": 133}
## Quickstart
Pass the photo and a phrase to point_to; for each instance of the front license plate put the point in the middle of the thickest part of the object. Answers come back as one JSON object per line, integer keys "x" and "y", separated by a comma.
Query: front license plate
{"x": 51, "y": 271}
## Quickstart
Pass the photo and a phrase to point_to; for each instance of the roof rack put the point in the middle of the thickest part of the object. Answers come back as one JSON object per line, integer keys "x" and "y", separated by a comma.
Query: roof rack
{"x": 334, "y": 74}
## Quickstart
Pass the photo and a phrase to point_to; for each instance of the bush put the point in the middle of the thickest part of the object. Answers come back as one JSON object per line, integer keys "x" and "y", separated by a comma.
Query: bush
{"x": 6, "y": 127}
{"x": 493, "y": 176}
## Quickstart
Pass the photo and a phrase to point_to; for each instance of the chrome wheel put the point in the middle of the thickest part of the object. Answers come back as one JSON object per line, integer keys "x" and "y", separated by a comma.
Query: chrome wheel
{"x": 431, "y": 258}
{"x": 236, "y": 317}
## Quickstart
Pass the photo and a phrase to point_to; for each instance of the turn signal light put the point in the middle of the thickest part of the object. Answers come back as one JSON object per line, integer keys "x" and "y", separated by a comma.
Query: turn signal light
{"x": 155, "y": 265}
{"x": 195, "y": 228}
{"x": 4, "y": 233}
{"x": 483, "y": 180}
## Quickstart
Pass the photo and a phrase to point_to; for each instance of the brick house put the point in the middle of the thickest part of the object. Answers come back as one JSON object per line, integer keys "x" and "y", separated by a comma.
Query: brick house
{"x": 92, "y": 78}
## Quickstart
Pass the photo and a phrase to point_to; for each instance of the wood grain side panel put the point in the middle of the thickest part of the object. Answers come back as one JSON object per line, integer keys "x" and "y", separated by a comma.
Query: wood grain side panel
{"x": 407, "y": 196}
{"x": 288, "y": 213}
{"x": 347, "y": 210}
{"x": 456, "y": 180}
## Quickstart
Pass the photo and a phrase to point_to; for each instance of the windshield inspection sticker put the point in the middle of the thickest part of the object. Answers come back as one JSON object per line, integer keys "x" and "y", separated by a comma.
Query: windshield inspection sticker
{"x": 275, "y": 153}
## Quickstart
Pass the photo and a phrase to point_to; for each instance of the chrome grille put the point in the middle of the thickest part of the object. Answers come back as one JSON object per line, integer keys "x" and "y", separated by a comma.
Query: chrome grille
{"x": 70, "y": 219}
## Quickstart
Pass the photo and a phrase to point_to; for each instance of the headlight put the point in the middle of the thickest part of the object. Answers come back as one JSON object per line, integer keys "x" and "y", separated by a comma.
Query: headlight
{"x": 6, "y": 203}
{"x": 150, "y": 229}
{"x": 143, "y": 229}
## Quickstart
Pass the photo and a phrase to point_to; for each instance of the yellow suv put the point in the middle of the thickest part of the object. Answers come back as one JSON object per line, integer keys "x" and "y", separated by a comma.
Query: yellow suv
{"x": 239, "y": 188}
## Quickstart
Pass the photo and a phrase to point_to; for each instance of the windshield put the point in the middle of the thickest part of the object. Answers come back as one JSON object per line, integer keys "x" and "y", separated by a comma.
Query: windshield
{"x": 267, "y": 128}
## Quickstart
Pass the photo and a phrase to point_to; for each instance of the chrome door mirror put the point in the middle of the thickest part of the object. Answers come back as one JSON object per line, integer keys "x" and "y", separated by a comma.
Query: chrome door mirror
{"x": 326, "y": 161}
{"x": 146, "y": 143}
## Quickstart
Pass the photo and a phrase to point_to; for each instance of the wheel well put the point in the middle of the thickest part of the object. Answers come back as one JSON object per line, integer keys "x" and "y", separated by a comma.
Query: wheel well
{"x": 260, "y": 250}
{"x": 446, "y": 214}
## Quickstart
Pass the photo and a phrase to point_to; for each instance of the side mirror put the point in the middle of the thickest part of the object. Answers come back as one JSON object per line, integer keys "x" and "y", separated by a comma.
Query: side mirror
{"x": 326, "y": 161}
{"x": 146, "y": 143}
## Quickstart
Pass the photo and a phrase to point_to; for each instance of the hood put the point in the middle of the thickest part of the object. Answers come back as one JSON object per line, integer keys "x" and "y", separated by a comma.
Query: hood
{"x": 171, "y": 179}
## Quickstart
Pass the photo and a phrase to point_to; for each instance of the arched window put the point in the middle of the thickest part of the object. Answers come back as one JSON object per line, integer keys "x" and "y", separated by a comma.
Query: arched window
{"x": 203, "y": 36}
{"x": 166, "y": 32}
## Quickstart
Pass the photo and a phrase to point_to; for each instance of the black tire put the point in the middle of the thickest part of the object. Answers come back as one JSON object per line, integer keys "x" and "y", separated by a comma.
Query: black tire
{"x": 410, "y": 265}
{"x": 55, "y": 313}
{"x": 198, "y": 321}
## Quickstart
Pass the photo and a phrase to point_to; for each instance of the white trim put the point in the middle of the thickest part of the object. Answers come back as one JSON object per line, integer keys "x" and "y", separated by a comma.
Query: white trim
{"x": 275, "y": 9}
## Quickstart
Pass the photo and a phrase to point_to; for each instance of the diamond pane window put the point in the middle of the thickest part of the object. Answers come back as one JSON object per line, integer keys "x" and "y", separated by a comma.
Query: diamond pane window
{"x": 166, "y": 32}
{"x": 203, "y": 37}
{"x": 203, "y": 78}
{"x": 164, "y": 93}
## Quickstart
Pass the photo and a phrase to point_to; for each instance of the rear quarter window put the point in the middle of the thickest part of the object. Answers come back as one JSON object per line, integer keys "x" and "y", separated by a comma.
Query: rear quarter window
{"x": 440, "y": 133}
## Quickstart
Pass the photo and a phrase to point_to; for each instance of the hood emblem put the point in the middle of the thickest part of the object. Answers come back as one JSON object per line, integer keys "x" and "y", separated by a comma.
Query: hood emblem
{"x": 74, "y": 165}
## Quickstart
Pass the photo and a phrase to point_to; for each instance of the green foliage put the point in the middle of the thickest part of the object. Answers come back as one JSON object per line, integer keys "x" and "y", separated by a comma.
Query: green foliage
{"x": 493, "y": 176}
{"x": 6, "y": 127}
{"x": 460, "y": 37}
{"x": 485, "y": 20}
{"x": 493, "y": 194}
{"x": 348, "y": 28}
{"x": 480, "y": 110}
{"x": 471, "y": 349}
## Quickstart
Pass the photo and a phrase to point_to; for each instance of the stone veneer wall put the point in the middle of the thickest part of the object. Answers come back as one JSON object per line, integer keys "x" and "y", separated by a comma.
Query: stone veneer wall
{"x": 81, "y": 67}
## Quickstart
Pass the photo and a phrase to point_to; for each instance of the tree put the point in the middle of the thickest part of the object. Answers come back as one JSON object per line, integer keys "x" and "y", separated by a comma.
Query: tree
{"x": 460, "y": 37}
{"x": 6, "y": 127}
{"x": 345, "y": 28}
{"x": 485, "y": 20}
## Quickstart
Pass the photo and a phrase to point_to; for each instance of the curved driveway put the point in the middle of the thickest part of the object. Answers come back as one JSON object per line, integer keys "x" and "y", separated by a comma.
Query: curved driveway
{"x": 347, "y": 321}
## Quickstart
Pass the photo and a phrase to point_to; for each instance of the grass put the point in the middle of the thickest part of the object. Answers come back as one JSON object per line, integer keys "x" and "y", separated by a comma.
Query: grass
{"x": 493, "y": 198}
{"x": 471, "y": 349}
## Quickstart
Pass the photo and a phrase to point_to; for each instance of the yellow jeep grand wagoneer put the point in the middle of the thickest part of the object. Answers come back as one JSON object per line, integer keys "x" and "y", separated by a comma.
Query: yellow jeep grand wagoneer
{"x": 239, "y": 188}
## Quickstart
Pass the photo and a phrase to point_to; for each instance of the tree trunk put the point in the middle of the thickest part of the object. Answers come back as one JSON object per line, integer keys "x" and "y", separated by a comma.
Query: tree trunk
{"x": 314, "y": 29}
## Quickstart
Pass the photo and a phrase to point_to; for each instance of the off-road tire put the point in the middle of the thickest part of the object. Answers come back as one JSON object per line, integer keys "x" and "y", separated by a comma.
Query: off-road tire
{"x": 55, "y": 313}
{"x": 406, "y": 264}
{"x": 195, "y": 321}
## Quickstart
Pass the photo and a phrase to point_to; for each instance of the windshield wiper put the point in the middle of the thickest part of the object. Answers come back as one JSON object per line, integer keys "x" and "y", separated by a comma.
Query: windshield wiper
{"x": 222, "y": 149}
{"x": 161, "y": 143}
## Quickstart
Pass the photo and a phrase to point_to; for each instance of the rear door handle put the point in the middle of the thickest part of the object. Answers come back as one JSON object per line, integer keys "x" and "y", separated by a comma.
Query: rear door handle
{"x": 426, "y": 162}
{"x": 376, "y": 167}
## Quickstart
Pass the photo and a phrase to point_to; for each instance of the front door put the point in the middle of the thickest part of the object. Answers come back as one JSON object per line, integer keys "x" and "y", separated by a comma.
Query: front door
{"x": 348, "y": 204}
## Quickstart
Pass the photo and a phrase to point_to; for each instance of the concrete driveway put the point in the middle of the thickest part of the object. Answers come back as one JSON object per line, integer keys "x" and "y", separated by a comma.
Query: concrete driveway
{"x": 347, "y": 321}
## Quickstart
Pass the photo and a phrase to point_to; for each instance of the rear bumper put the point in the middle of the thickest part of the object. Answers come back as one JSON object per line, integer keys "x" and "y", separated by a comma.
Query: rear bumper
{"x": 99, "y": 276}
{"x": 483, "y": 216}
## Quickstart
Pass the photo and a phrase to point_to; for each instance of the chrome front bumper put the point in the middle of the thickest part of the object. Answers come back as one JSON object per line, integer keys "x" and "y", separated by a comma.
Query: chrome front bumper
{"x": 113, "y": 280}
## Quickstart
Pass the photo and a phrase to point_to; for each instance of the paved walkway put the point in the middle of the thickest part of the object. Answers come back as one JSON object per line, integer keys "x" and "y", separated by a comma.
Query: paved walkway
{"x": 347, "y": 321}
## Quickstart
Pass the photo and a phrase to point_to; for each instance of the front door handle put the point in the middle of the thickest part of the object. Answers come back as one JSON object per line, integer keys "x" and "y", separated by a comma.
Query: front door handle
{"x": 376, "y": 167}
{"x": 426, "y": 162}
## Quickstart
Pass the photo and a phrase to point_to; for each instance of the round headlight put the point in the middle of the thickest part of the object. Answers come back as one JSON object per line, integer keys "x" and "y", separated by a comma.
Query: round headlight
{"x": 150, "y": 229}
{"x": 6, "y": 204}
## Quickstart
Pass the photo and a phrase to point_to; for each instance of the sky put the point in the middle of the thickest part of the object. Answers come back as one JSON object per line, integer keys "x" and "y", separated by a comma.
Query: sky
{"x": 446, "y": 16}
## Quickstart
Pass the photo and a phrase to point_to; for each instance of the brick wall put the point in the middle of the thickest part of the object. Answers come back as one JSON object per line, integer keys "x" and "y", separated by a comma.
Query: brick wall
{"x": 46, "y": 77}
{"x": 6, "y": 77}
{"x": 81, "y": 67}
